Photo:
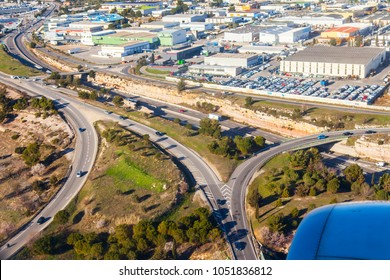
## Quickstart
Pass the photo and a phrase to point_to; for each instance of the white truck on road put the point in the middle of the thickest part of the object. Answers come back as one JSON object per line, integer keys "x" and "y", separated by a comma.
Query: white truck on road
{"x": 75, "y": 50}
{"x": 214, "y": 117}
{"x": 381, "y": 164}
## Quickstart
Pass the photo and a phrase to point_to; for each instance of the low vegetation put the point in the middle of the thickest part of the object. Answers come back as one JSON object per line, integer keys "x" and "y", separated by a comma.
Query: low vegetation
{"x": 12, "y": 66}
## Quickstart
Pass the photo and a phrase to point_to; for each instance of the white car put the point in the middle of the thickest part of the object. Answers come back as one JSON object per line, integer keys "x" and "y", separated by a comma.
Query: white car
{"x": 79, "y": 174}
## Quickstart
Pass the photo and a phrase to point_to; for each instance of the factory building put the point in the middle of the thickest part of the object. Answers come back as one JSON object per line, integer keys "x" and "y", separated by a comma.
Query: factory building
{"x": 334, "y": 61}
{"x": 171, "y": 37}
{"x": 284, "y": 34}
{"x": 201, "y": 69}
{"x": 184, "y": 18}
{"x": 244, "y": 34}
{"x": 160, "y": 25}
{"x": 232, "y": 59}
{"x": 124, "y": 50}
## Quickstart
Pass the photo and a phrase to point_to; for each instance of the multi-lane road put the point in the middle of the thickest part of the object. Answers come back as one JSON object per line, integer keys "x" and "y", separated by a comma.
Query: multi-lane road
{"x": 83, "y": 160}
{"x": 231, "y": 214}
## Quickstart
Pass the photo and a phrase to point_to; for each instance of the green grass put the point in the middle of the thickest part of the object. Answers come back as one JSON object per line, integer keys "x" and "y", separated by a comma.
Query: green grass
{"x": 156, "y": 71}
{"x": 12, "y": 66}
{"x": 128, "y": 171}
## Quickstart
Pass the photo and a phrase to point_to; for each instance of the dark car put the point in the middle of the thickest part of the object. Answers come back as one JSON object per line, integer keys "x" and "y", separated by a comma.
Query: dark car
{"x": 347, "y": 133}
{"x": 41, "y": 220}
{"x": 370, "y": 131}
{"x": 159, "y": 133}
{"x": 122, "y": 117}
{"x": 81, "y": 129}
{"x": 239, "y": 245}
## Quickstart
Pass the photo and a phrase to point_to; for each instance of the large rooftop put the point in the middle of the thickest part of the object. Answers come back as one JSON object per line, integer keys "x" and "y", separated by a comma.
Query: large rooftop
{"x": 347, "y": 55}
{"x": 233, "y": 55}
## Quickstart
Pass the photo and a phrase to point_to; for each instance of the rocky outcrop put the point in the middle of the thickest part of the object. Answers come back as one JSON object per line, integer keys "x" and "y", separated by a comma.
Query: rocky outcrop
{"x": 281, "y": 125}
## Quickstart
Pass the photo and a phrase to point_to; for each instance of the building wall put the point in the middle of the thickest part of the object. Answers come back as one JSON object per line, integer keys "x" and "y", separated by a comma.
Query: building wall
{"x": 231, "y": 61}
{"x": 239, "y": 37}
{"x": 228, "y": 71}
{"x": 329, "y": 69}
{"x": 120, "y": 51}
{"x": 171, "y": 39}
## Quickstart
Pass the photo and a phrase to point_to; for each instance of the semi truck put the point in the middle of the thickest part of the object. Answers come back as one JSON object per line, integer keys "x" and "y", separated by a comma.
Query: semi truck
{"x": 214, "y": 117}
{"x": 75, "y": 50}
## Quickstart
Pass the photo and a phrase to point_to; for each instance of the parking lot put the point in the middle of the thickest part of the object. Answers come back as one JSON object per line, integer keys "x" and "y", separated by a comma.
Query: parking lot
{"x": 255, "y": 79}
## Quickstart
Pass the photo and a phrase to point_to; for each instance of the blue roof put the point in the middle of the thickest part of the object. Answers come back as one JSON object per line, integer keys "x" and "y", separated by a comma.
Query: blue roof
{"x": 105, "y": 18}
{"x": 357, "y": 230}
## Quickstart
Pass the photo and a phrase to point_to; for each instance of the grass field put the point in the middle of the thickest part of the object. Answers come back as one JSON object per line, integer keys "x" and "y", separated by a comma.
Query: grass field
{"x": 221, "y": 165}
{"x": 156, "y": 71}
{"x": 128, "y": 171}
{"x": 12, "y": 66}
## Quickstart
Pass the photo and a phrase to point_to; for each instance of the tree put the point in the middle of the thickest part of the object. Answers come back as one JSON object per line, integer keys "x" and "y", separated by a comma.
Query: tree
{"x": 232, "y": 8}
{"x": 31, "y": 155}
{"x": 55, "y": 76}
{"x": 181, "y": 85}
{"x": 260, "y": 141}
{"x": 354, "y": 173}
{"x": 210, "y": 127}
{"x": 332, "y": 42}
{"x": 61, "y": 217}
{"x": 138, "y": 14}
{"x": 253, "y": 197}
{"x": 93, "y": 95}
{"x": 117, "y": 100}
{"x": 248, "y": 101}
{"x": 152, "y": 58}
{"x": 384, "y": 182}
{"x": 92, "y": 74}
{"x": 358, "y": 41}
{"x": 333, "y": 185}
{"x": 276, "y": 223}
{"x": 33, "y": 45}
{"x": 44, "y": 245}
{"x": 38, "y": 169}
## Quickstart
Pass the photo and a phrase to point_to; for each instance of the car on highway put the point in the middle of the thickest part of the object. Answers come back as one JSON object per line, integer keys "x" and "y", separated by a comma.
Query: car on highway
{"x": 55, "y": 86}
{"x": 182, "y": 111}
{"x": 239, "y": 245}
{"x": 370, "y": 132}
{"x": 107, "y": 112}
{"x": 159, "y": 133}
{"x": 79, "y": 174}
{"x": 347, "y": 133}
{"x": 48, "y": 71}
{"x": 122, "y": 117}
{"x": 41, "y": 220}
{"x": 321, "y": 136}
{"x": 81, "y": 129}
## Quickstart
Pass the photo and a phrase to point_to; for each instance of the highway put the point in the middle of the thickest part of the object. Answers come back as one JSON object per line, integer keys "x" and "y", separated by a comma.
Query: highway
{"x": 243, "y": 174}
{"x": 230, "y": 214}
{"x": 83, "y": 159}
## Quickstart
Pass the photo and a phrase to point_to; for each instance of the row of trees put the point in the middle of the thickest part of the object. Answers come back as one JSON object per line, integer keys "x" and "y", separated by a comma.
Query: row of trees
{"x": 145, "y": 240}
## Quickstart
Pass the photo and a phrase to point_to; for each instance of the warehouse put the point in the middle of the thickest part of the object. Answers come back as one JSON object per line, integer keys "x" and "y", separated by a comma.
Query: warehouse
{"x": 214, "y": 70}
{"x": 232, "y": 59}
{"x": 314, "y": 20}
{"x": 171, "y": 37}
{"x": 284, "y": 34}
{"x": 197, "y": 26}
{"x": 120, "y": 38}
{"x": 160, "y": 24}
{"x": 184, "y": 18}
{"x": 124, "y": 50}
{"x": 248, "y": 33}
{"x": 334, "y": 61}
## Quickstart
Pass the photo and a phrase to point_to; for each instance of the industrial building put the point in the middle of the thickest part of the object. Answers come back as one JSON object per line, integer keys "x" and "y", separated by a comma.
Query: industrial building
{"x": 232, "y": 59}
{"x": 223, "y": 20}
{"x": 171, "y": 37}
{"x": 334, "y": 61}
{"x": 284, "y": 34}
{"x": 183, "y": 53}
{"x": 197, "y": 26}
{"x": 202, "y": 69}
{"x": 261, "y": 49}
{"x": 314, "y": 20}
{"x": 120, "y": 38}
{"x": 184, "y": 18}
{"x": 119, "y": 6}
{"x": 161, "y": 25}
{"x": 248, "y": 33}
{"x": 123, "y": 50}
